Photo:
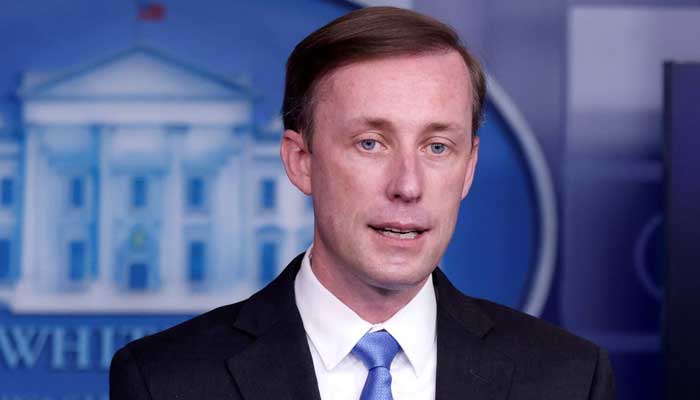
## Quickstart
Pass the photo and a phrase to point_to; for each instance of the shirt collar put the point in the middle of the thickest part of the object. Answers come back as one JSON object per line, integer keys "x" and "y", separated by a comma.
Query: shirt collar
{"x": 413, "y": 326}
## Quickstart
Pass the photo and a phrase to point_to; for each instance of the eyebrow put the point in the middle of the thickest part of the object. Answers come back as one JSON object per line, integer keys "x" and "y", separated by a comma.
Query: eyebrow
{"x": 374, "y": 123}
{"x": 386, "y": 125}
{"x": 444, "y": 126}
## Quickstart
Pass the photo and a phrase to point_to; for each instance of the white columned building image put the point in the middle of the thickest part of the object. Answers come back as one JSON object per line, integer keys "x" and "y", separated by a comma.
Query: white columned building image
{"x": 142, "y": 184}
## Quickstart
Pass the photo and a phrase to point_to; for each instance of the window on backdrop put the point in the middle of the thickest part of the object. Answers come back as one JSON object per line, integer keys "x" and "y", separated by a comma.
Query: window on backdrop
{"x": 6, "y": 192}
{"x": 139, "y": 192}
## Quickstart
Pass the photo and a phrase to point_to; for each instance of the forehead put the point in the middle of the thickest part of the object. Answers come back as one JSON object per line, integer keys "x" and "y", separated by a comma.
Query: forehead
{"x": 434, "y": 83}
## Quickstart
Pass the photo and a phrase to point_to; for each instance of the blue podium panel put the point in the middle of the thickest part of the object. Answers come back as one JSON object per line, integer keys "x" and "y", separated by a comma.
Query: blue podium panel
{"x": 682, "y": 319}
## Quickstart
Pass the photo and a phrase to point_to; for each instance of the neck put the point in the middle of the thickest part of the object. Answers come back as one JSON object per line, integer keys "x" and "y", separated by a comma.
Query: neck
{"x": 373, "y": 303}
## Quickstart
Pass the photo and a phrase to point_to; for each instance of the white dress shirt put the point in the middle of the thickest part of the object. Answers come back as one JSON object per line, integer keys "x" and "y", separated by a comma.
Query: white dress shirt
{"x": 333, "y": 329}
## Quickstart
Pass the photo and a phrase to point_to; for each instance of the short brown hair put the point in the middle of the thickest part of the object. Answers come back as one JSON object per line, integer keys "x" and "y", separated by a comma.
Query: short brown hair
{"x": 361, "y": 35}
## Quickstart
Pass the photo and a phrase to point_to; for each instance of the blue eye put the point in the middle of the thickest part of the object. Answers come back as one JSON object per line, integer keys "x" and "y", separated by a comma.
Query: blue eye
{"x": 438, "y": 148}
{"x": 368, "y": 144}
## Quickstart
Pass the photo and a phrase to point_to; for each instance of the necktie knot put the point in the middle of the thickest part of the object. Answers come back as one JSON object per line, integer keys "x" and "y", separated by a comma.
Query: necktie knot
{"x": 376, "y": 349}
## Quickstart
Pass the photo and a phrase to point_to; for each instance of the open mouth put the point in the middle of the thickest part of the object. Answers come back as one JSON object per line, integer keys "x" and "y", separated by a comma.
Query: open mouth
{"x": 399, "y": 233}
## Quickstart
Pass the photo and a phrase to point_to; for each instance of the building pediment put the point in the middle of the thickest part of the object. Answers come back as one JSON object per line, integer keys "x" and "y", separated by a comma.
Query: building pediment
{"x": 139, "y": 73}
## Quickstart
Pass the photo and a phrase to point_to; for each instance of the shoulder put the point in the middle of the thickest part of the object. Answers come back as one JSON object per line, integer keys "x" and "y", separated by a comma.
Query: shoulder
{"x": 187, "y": 358}
{"x": 519, "y": 335}
{"x": 542, "y": 352}
{"x": 220, "y": 333}
{"x": 205, "y": 341}
{"x": 523, "y": 333}
{"x": 192, "y": 359}
{"x": 202, "y": 335}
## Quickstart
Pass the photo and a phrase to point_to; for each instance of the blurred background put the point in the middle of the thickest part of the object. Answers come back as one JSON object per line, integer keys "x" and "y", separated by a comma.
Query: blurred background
{"x": 140, "y": 182}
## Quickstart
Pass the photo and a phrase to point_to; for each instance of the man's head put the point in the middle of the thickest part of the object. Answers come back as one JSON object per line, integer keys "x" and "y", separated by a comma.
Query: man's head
{"x": 394, "y": 146}
{"x": 367, "y": 34}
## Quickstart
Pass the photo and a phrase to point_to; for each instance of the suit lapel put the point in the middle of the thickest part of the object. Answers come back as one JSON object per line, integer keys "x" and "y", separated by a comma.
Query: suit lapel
{"x": 277, "y": 364}
{"x": 467, "y": 366}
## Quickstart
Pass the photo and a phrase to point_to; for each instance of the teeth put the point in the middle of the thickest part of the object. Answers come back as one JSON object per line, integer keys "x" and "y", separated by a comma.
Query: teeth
{"x": 399, "y": 235}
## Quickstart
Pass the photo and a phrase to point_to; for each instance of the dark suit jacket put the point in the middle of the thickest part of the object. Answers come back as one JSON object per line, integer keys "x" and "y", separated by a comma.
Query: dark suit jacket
{"x": 257, "y": 349}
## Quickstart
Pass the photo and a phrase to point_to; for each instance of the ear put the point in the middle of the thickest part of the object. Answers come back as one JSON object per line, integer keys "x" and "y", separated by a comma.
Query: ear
{"x": 297, "y": 160}
{"x": 471, "y": 167}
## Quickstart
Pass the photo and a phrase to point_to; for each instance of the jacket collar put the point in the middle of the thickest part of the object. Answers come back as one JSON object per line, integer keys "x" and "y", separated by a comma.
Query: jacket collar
{"x": 271, "y": 305}
{"x": 278, "y": 364}
{"x": 468, "y": 365}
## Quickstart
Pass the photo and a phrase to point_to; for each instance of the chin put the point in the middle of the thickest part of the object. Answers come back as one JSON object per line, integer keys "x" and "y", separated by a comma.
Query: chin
{"x": 392, "y": 276}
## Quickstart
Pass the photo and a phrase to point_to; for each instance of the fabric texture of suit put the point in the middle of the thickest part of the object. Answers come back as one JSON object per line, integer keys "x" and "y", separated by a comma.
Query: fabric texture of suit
{"x": 257, "y": 349}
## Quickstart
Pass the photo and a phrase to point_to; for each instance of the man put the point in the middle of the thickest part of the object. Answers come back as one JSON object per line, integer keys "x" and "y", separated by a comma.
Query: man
{"x": 381, "y": 110}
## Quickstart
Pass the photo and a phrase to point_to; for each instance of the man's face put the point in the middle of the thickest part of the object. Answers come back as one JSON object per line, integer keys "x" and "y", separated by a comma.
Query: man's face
{"x": 392, "y": 159}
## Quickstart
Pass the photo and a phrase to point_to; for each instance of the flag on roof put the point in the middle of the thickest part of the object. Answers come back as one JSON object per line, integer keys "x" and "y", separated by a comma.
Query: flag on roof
{"x": 151, "y": 12}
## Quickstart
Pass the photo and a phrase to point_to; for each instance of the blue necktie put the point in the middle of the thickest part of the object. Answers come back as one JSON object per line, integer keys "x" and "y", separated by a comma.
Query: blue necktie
{"x": 377, "y": 350}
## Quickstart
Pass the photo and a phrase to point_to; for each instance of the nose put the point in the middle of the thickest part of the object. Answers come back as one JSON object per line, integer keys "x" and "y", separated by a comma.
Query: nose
{"x": 406, "y": 183}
